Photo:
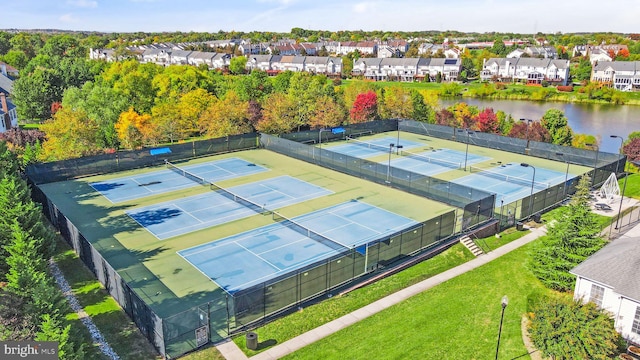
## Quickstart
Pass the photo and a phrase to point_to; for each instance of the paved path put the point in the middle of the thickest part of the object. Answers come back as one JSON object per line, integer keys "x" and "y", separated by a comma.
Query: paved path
{"x": 230, "y": 351}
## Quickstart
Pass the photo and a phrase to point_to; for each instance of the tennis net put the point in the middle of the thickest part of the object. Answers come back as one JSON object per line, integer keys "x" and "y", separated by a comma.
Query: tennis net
{"x": 185, "y": 173}
{"x": 225, "y": 192}
{"x": 512, "y": 179}
{"x": 368, "y": 145}
{"x": 429, "y": 159}
{"x": 303, "y": 230}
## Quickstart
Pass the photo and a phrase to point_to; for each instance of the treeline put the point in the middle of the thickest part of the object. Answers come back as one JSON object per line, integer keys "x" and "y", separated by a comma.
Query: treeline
{"x": 31, "y": 306}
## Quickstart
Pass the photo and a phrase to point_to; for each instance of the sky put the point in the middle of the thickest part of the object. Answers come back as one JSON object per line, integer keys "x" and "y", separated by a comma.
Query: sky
{"x": 515, "y": 16}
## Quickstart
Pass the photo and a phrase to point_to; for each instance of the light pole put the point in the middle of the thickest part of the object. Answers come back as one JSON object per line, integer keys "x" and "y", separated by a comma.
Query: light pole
{"x": 320, "y": 136}
{"x": 504, "y": 303}
{"x": 566, "y": 176}
{"x": 389, "y": 166}
{"x": 532, "y": 182}
{"x": 529, "y": 121}
{"x": 466, "y": 152}
{"x": 398, "y": 141}
{"x": 619, "y": 151}
{"x": 595, "y": 165}
{"x": 398, "y": 147}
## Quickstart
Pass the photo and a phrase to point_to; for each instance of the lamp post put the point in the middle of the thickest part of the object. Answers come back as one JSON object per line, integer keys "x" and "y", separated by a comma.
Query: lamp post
{"x": 504, "y": 303}
{"x": 389, "y": 166}
{"x": 398, "y": 140}
{"x": 466, "y": 151}
{"x": 398, "y": 147}
{"x": 320, "y": 136}
{"x": 529, "y": 121}
{"x": 532, "y": 182}
{"x": 619, "y": 151}
{"x": 566, "y": 176}
{"x": 595, "y": 165}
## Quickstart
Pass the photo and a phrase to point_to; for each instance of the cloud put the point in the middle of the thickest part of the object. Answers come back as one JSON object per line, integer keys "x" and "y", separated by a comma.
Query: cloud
{"x": 83, "y": 3}
{"x": 68, "y": 18}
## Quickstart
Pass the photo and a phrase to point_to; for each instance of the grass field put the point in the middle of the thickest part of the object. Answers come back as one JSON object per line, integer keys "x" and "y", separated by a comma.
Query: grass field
{"x": 456, "y": 320}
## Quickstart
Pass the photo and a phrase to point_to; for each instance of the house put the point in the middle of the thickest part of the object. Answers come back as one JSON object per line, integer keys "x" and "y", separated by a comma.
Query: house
{"x": 545, "y": 52}
{"x": 288, "y": 63}
{"x": 364, "y": 47}
{"x": 323, "y": 65}
{"x": 610, "y": 278}
{"x": 516, "y": 53}
{"x": 526, "y": 70}
{"x": 387, "y": 52}
{"x": 452, "y": 53}
{"x": 198, "y": 58}
{"x": 621, "y": 75}
{"x": 260, "y": 62}
{"x": 598, "y": 55}
{"x": 449, "y": 69}
{"x": 8, "y": 70}
{"x": 8, "y": 114}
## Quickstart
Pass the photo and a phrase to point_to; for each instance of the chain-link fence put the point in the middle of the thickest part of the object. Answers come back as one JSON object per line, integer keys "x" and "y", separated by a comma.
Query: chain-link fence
{"x": 43, "y": 173}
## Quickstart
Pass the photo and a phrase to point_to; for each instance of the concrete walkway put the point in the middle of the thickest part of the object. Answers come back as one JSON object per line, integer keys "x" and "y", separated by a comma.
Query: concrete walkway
{"x": 230, "y": 351}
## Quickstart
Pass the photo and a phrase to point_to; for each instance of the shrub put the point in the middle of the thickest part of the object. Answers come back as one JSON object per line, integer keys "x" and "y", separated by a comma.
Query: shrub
{"x": 568, "y": 88}
{"x": 501, "y": 86}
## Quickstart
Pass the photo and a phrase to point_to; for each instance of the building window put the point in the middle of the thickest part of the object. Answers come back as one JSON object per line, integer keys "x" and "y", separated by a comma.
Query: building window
{"x": 635, "y": 328}
{"x": 597, "y": 294}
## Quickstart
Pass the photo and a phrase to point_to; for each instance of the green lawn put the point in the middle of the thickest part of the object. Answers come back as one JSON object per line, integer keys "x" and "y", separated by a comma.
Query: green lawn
{"x": 458, "y": 319}
{"x": 119, "y": 331}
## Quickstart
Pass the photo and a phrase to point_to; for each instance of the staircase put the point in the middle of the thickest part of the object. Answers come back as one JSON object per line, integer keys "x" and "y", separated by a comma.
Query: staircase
{"x": 475, "y": 250}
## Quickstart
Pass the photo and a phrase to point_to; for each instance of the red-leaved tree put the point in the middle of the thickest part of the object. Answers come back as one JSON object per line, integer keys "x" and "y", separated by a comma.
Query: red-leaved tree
{"x": 487, "y": 121}
{"x": 365, "y": 107}
{"x": 534, "y": 132}
{"x": 632, "y": 150}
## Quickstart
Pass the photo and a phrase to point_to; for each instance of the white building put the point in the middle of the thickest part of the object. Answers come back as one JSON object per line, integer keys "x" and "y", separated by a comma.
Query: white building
{"x": 610, "y": 278}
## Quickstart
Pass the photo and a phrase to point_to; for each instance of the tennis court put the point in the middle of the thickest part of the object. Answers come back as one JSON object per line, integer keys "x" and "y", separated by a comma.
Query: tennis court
{"x": 511, "y": 182}
{"x": 162, "y": 181}
{"x": 197, "y": 212}
{"x": 252, "y": 257}
{"x": 436, "y": 161}
{"x": 373, "y": 147}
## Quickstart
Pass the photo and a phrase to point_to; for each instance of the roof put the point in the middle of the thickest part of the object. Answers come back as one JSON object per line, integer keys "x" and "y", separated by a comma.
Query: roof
{"x": 6, "y": 85}
{"x": 616, "y": 265}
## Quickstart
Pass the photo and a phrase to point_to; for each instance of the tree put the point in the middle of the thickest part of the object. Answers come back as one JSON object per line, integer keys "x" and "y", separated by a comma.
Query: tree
{"x": 52, "y": 329}
{"x": 25, "y": 262}
{"x": 33, "y": 93}
{"x": 254, "y": 86}
{"x": 278, "y": 115}
{"x": 227, "y": 116}
{"x": 632, "y": 150}
{"x": 580, "y": 141}
{"x": 396, "y": 103}
{"x": 190, "y": 106}
{"x": 557, "y": 124}
{"x": 564, "y": 328}
{"x": 446, "y": 117}
{"x": 533, "y": 132}
{"x": 581, "y": 71}
{"x": 571, "y": 238}
{"x": 464, "y": 114}
{"x": 499, "y": 48}
{"x": 130, "y": 128}
{"x": 487, "y": 121}
{"x": 70, "y": 134}
{"x": 420, "y": 110}
{"x": 365, "y": 108}
{"x": 327, "y": 113}
{"x": 237, "y": 65}
{"x": 102, "y": 104}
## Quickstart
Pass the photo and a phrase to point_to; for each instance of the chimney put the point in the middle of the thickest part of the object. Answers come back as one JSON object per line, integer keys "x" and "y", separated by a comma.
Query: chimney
{"x": 3, "y": 100}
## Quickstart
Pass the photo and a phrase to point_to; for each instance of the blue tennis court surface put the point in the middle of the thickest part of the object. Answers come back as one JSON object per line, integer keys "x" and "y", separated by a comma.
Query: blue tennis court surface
{"x": 161, "y": 181}
{"x": 197, "y": 212}
{"x": 368, "y": 148}
{"x": 242, "y": 260}
{"x": 436, "y": 161}
{"x": 511, "y": 182}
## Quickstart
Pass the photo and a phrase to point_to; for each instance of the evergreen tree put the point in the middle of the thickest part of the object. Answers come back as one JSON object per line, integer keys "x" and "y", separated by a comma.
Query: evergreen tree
{"x": 571, "y": 238}
{"x": 564, "y": 328}
{"x": 26, "y": 266}
{"x": 52, "y": 329}
{"x": 421, "y": 111}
